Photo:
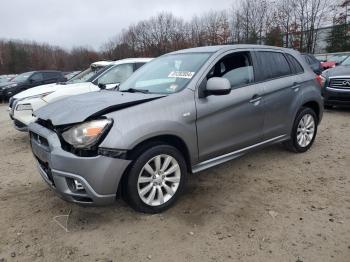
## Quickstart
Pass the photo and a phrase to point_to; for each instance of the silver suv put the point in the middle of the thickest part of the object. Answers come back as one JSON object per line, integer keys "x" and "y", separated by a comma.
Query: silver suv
{"x": 181, "y": 113}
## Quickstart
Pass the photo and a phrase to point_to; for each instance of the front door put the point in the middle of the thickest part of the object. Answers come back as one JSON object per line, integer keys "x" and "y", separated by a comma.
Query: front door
{"x": 230, "y": 122}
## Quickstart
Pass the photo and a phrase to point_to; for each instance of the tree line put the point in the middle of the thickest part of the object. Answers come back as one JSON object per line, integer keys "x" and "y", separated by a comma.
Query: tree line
{"x": 20, "y": 56}
{"x": 287, "y": 23}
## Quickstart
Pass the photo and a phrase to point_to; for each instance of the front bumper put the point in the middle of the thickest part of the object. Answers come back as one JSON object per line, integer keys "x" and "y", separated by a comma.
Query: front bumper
{"x": 99, "y": 176}
{"x": 336, "y": 96}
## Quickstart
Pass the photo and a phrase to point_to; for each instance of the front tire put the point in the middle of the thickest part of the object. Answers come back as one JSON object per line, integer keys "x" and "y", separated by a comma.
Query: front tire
{"x": 156, "y": 179}
{"x": 304, "y": 131}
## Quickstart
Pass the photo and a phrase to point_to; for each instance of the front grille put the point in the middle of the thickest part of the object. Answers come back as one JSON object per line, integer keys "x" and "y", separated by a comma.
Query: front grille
{"x": 340, "y": 83}
{"x": 46, "y": 123}
{"x": 39, "y": 139}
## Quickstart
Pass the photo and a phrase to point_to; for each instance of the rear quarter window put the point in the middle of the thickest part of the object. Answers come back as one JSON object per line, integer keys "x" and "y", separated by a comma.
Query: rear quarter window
{"x": 294, "y": 64}
{"x": 273, "y": 64}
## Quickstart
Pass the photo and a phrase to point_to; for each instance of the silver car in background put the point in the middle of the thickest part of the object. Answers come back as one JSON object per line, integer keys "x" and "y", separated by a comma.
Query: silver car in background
{"x": 181, "y": 113}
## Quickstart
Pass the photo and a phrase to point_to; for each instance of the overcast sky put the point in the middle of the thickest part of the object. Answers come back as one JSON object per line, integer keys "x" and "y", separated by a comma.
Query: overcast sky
{"x": 70, "y": 23}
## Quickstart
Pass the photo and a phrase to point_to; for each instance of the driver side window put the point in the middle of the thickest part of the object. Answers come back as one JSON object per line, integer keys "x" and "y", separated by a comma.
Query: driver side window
{"x": 37, "y": 77}
{"x": 236, "y": 67}
{"x": 117, "y": 74}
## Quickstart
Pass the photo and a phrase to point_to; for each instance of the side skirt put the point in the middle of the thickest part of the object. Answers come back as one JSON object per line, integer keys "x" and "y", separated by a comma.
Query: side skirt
{"x": 229, "y": 156}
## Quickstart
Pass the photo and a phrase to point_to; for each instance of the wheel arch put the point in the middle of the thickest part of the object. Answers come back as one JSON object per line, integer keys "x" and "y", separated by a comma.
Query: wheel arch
{"x": 315, "y": 107}
{"x": 171, "y": 140}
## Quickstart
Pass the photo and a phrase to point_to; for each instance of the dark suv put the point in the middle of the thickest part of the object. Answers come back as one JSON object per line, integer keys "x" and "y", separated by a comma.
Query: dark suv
{"x": 336, "y": 85}
{"x": 29, "y": 79}
{"x": 181, "y": 113}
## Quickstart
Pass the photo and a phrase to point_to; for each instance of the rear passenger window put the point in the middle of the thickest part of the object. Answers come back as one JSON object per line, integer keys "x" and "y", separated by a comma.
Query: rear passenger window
{"x": 51, "y": 75}
{"x": 236, "y": 68}
{"x": 37, "y": 77}
{"x": 273, "y": 64}
{"x": 294, "y": 64}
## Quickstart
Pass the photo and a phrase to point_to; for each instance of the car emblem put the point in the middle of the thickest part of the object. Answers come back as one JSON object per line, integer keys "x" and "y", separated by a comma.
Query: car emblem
{"x": 346, "y": 83}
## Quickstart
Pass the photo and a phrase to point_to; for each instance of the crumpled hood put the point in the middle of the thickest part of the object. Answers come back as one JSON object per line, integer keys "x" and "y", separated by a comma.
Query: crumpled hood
{"x": 337, "y": 71}
{"x": 38, "y": 90}
{"x": 78, "y": 108}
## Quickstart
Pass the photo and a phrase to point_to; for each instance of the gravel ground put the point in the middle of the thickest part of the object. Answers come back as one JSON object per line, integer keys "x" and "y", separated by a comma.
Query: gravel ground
{"x": 270, "y": 205}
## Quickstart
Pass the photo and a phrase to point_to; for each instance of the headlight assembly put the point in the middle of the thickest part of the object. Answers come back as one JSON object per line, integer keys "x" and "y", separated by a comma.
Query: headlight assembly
{"x": 87, "y": 134}
{"x": 22, "y": 107}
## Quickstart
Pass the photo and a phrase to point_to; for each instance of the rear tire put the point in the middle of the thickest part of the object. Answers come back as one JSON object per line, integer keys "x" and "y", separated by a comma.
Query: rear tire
{"x": 156, "y": 179}
{"x": 303, "y": 132}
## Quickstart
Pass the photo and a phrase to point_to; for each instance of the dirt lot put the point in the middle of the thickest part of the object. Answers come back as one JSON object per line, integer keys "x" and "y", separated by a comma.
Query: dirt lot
{"x": 270, "y": 205}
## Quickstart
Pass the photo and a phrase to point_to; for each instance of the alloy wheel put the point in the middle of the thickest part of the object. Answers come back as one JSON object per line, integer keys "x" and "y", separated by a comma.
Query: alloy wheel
{"x": 158, "y": 180}
{"x": 305, "y": 130}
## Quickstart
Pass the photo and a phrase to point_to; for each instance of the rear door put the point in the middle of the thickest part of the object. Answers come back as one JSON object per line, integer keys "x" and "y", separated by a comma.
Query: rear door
{"x": 230, "y": 122}
{"x": 36, "y": 79}
{"x": 281, "y": 88}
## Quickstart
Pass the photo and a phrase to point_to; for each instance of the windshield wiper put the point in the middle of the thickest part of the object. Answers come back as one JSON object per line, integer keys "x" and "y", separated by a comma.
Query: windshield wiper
{"x": 134, "y": 90}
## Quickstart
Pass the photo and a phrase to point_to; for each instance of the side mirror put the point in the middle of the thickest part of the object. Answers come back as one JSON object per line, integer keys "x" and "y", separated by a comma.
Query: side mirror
{"x": 31, "y": 81}
{"x": 337, "y": 63}
{"x": 218, "y": 86}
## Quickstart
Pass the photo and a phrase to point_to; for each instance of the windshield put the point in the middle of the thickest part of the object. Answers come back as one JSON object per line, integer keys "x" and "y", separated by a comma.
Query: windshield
{"x": 22, "y": 77}
{"x": 346, "y": 61}
{"x": 167, "y": 74}
{"x": 84, "y": 76}
{"x": 117, "y": 74}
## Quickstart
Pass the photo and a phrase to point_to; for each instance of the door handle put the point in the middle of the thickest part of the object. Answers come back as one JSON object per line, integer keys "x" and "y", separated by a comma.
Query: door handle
{"x": 255, "y": 99}
{"x": 296, "y": 86}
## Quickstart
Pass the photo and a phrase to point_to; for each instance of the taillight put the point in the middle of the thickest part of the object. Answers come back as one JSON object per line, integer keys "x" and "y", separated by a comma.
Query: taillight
{"x": 321, "y": 80}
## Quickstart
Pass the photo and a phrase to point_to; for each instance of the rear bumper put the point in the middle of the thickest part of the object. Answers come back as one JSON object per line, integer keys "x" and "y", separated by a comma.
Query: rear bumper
{"x": 335, "y": 96}
{"x": 98, "y": 176}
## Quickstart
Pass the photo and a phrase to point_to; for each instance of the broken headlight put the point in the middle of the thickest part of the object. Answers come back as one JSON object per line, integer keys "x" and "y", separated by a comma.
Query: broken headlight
{"x": 87, "y": 134}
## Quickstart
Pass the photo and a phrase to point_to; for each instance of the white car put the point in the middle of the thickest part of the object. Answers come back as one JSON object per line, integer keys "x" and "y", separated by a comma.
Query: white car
{"x": 23, "y": 105}
{"x": 34, "y": 94}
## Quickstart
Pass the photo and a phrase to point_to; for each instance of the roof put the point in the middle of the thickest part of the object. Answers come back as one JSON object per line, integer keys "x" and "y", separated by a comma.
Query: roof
{"x": 216, "y": 48}
{"x": 101, "y": 63}
{"x": 122, "y": 61}
{"x": 41, "y": 71}
{"x": 132, "y": 60}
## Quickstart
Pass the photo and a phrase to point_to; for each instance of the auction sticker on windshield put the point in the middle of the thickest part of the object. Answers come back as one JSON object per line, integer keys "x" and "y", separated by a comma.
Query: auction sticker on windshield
{"x": 181, "y": 74}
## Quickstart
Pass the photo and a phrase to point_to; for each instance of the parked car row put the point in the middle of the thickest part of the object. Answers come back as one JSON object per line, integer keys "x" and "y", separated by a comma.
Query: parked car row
{"x": 332, "y": 60}
{"x": 100, "y": 75}
{"x": 27, "y": 80}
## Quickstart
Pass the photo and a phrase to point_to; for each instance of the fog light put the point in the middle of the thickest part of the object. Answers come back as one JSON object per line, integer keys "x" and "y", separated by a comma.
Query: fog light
{"x": 78, "y": 185}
